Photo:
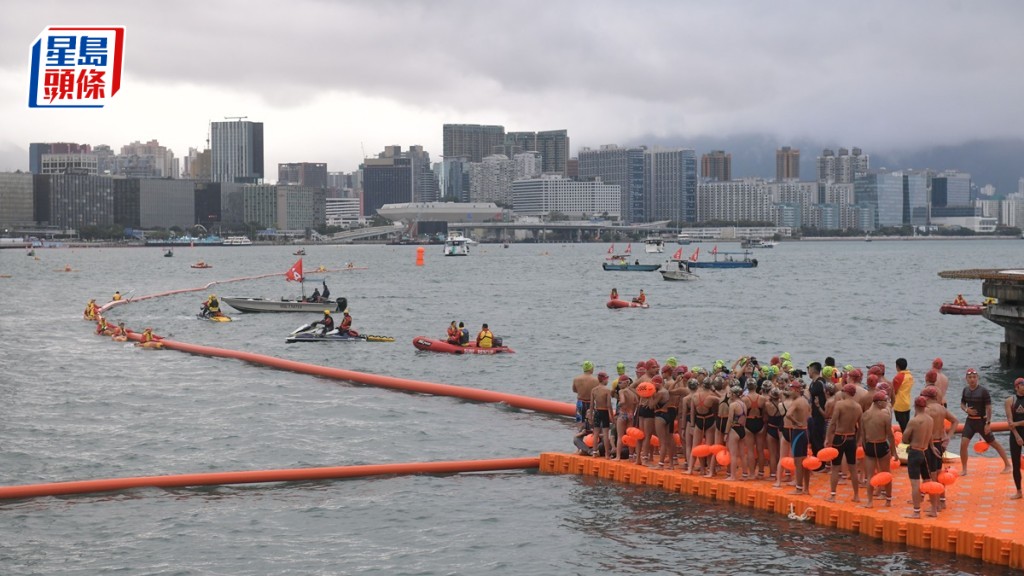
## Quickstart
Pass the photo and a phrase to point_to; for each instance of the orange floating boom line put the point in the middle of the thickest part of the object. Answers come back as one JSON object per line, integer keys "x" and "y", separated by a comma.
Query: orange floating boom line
{"x": 258, "y": 476}
{"x": 207, "y": 286}
{"x": 419, "y": 386}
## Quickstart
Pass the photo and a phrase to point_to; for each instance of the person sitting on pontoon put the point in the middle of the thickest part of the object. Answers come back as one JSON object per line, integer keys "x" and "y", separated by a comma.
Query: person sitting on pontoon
{"x": 642, "y": 298}
{"x": 960, "y": 301}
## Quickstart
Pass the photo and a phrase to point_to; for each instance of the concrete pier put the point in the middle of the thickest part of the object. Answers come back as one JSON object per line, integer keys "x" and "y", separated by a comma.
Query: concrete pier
{"x": 1007, "y": 287}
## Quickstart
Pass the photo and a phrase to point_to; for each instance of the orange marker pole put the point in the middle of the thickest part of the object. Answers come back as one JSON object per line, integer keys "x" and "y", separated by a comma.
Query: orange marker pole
{"x": 257, "y": 476}
{"x": 419, "y": 255}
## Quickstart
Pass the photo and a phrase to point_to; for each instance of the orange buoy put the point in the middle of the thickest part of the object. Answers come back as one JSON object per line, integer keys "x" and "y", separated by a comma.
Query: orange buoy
{"x": 589, "y": 440}
{"x": 645, "y": 389}
{"x": 635, "y": 432}
{"x": 811, "y": 463}
{"x": 629, "y": 440}
{"x": 981, "y": 447}
{"x": 788, "y": 463}
{"x": 716, "y": 449}
{"x": 860, "y": 452}
{"x": 898, "y": 436}
{"x": 701, "y": 451}
{"x": 881, "y": 479}
{"x": 678, "y": 440}
{"x": 945, "y": 478}
{"x": 932, "y": 488}
{"x": 828, "y": 454}
{"x": 655, "y": 441}
{"x": 419, "y": 255}
{"x": 723, "y": 458}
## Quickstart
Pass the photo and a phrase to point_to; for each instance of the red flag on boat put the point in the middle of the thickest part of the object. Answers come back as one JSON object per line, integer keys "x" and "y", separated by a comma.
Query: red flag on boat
{"x": 629, "y": 248}
{"x": 295, "y": 272}
{"x": 715, "y": 249}
{"x": 678, "y": 255}
{"x": 611, "y": 249}
{"x": 696, "y": 252}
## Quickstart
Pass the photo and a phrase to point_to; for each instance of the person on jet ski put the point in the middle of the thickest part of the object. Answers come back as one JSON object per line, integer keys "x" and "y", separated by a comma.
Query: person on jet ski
{"x": 211, "y": 307}
{"x": 327, "y": 322}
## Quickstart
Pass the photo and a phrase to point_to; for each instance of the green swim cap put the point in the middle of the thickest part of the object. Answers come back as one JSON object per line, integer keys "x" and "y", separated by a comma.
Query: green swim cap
{"x": 787, "y": 366}
{"x": 848, "y": 368}
{"x": 719, "y": 364}
{"x": 588, "y": 365}
{"x": 620, "y": 368}
{"x": 672, "y": 361}
{"x": 785, "y": 356}
{"x": 696, "y": 369}
{"x": 828, "y": 371}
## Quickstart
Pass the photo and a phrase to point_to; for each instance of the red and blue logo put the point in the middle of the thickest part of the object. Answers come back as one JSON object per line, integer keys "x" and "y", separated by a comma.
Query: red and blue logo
{"x": 76, "y": 66}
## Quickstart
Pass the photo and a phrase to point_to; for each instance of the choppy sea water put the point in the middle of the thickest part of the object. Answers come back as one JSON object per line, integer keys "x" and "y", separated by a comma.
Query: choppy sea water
{"x": 77, "y": 406}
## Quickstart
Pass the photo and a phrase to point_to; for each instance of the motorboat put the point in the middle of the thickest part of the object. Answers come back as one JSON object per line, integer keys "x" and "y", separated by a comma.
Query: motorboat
{"x": 439, "y": 345}
{"x": 237, "y": 241}
{"x": 677, "y": 270}
{"x": 654, "y": 245}
{"x": 625, "y": 266}
{"x": 301, "y": 304}
{"x": 456, "y": 244}
{"x": 169, "y": 253}
{"x": 284, "y": 305}
{"x": 201, "y": 264}
{"x": 727, "y": 260}
{"x": 299, "y": 252}
{"x": 757, "y": 243}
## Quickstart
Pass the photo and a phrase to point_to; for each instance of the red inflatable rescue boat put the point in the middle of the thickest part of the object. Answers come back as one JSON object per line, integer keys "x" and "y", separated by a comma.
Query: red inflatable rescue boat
{"x": 626, "y": 304}
{"x": 962, "y": 309}
{"x": 436, "y": 345}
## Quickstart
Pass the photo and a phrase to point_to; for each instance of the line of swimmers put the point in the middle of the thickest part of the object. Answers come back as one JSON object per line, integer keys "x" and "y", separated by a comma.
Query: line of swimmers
{"x": 119, "y": 333}
{"x": 760, "y": 419}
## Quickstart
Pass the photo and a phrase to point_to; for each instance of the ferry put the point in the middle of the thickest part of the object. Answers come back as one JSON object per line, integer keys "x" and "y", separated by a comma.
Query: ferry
{"x": 456, "y": 244}
{"x": 237, "y": 241}
{"x": 187, "y": 241}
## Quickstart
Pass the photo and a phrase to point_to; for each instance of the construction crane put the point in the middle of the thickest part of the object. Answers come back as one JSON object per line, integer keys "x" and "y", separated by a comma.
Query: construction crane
{"x": 235, "y": 118}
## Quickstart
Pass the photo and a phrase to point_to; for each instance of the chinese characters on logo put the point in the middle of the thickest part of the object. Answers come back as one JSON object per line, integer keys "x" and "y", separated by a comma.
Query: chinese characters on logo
{"x": 76, "y": 67}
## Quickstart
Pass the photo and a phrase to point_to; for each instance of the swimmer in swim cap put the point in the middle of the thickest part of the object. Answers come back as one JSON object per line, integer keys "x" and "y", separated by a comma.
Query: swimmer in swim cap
{"x": 620, "y": 368}
{"x": 588, "y": 366}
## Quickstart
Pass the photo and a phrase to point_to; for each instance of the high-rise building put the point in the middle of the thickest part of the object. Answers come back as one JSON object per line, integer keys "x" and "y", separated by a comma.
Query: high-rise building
{"x": 71, "y": 201}
{"x": 491, "y": 180}
{"x": 553, "y": 146}
{"x": 716, "y": 165}
{"x": 951, "y": 188}
{"x": 670, "y": 185}
{"x": 197, "y": 165}
{"x": 386, "y": 180}
{"x": 844, "y": 167}
{"x": 745, "y": 200}
{"x": 882, "y": 193}
{"x": 787, "y": 164}
{"x": 574, "y": 198}
{"x": 37, "y": 149}
{"x": 15, "y": 199}
{"x": 311, "y": 174}
{"x": 159, "y": 161}
{"x": 622, "y": 167}
{"x": 236, "y": 151}
{"x": 69, "y": 163}
{"x": 454, "y": 178}
{"x": 474, "y": 141}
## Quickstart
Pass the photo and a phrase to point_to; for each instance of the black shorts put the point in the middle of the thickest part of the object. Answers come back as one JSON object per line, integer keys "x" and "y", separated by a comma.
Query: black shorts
{"x": 602, "y": 418}
{"x": 645, "y": 412}
{"x": 917, "y": 464}
{"x": 876, "y": 449}
{"x": 977, "y": 426}
{"x": 847, "y": 446}
{"x": 935, "y": 456}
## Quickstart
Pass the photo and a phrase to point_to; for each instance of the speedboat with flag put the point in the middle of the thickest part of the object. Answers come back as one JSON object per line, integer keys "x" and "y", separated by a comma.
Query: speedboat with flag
{"x": 613, "y": 256}
{"x": 727, "y": 260}
{"x": 676, "y": 268}
{"x": 301, "y": 304}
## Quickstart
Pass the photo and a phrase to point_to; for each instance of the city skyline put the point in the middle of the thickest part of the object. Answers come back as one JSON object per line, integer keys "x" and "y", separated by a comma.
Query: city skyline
{"x": 878, "y": 77}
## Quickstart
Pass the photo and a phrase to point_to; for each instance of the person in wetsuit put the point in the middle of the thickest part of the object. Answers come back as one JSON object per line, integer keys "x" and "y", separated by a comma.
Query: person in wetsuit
{"x": 1014, "y": 406}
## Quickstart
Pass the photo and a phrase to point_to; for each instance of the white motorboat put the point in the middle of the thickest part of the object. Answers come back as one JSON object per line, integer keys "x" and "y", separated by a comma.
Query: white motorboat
{"x": 654, "y": 245}
{"x": 677, "y": 270}
{"x": 456, "y": 244}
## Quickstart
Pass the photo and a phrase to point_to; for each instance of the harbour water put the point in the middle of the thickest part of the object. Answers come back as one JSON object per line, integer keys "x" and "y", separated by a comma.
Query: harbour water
{"x": 77, "y": 406}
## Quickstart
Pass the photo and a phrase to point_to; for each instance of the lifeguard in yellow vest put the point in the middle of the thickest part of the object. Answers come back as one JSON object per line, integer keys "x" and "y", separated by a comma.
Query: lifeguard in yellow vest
{"x": 90, "y": 310}
{"x": 485, "y": 339}
{"x": 960, "y": 301}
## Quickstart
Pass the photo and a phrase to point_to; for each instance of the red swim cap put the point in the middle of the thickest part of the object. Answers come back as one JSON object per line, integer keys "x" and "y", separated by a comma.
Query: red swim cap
{"x": 920, "y": 402}
{"x": 937, "y": 363}
{"x": 880, "y": 396}
{"x": 931, "y": 376}
{"x": 850, "y": 389}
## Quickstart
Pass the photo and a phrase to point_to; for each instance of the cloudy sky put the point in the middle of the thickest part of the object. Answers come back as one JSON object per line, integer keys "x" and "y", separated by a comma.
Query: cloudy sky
{"x": 330, "y": 79}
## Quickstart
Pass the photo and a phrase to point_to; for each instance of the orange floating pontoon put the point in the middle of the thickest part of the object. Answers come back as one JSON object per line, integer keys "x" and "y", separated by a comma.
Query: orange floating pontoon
{"x": 979, "y": 520}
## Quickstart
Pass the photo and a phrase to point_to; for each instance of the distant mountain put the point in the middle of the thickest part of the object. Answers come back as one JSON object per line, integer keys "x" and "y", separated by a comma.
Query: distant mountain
{"x": 999, "y": 162}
